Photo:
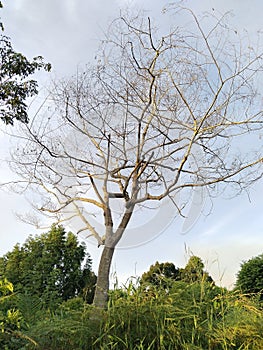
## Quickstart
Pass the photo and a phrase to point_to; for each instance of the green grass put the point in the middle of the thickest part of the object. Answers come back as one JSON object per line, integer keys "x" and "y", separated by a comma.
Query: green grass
{"x": 185, "y": 317}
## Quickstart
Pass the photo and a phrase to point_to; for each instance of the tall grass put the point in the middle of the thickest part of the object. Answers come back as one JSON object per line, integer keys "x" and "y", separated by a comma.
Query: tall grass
{"x": 181, "y": 317}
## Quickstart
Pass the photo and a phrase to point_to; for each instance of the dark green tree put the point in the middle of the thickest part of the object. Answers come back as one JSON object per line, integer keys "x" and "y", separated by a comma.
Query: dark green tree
{"x": 194, "y": 271}
{"x": 53, "y": 266}
{"x": 160, "y": 274}
{"x": 15, "y": 83}
{"x": 250, "y": 276}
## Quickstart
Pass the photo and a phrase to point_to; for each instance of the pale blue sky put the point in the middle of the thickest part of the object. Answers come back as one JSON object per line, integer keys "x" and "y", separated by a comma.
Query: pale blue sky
{"x": 67, "y": 33}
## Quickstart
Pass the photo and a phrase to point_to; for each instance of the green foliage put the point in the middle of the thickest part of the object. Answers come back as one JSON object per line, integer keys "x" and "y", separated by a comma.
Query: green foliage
{"x": 160, "y": 274}
{"x": 164, "y": 274}
{"x": 15, "y": 84}
{"x": 241, "y": 326}
{"x": 5, "y": 288}
{"x": 49, "y": 266}
{"x": 30, "y": 306}
{"x": 184, "y": 316}
{"x": 250, "y": 276}
{"x": 12, "y": 322}
{"x": 195, "y": 315}
{"x": 194, "y": 271}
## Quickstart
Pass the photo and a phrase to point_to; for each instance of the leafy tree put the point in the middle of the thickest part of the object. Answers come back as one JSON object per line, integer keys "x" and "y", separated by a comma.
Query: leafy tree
{"x": 160, "y": 274}
{"x": 163, "y": 274}
{"x": 15, "y": 84}
{"x": 194, "y": 271}
{"x": 153, "y": 119}
{"x": 250, "y": 276}
{"x": 50, "y": 266}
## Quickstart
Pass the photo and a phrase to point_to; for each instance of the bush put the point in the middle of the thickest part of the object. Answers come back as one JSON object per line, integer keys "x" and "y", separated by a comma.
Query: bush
{"x": 250, "y": 276}
{"x": 188, "y": 316}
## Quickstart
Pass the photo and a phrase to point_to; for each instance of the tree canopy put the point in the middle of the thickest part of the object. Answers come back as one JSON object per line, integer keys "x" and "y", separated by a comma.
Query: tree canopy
{"x": 250, "y": 276}
{"x": 15, "y": 83}
{"x": 194, "y": 271}
{"x": 53, "y": 266}
{"x": 162, "y": 274}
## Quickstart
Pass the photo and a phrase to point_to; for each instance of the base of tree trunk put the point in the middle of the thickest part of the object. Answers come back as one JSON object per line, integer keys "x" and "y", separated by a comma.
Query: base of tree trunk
{"x": 102, "y": 287}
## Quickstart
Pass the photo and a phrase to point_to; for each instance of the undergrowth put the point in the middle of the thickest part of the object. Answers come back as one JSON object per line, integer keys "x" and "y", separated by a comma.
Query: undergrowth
{"x": 183, "y": 317}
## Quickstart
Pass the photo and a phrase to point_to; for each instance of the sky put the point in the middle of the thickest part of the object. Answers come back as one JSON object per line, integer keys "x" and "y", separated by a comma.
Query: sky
{"x": 67, "y": 33}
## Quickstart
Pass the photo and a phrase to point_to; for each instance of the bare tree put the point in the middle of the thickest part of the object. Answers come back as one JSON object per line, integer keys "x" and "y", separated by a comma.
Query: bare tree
{"x": 157, "y": 115}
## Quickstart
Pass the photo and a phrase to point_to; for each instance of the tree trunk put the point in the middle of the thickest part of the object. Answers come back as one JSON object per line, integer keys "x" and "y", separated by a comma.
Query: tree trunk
{"x": 102, "y": 287}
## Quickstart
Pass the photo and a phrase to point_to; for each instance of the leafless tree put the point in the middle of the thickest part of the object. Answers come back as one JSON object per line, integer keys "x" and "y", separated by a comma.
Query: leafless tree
{"x": 157, "y": 115}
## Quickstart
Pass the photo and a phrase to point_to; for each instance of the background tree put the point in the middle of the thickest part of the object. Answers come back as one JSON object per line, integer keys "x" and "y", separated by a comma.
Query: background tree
{"x": 15, "y": 84}
{"x": 157, "y": 116}
{"x": 162, "y": 274}
{"x": 50, "y": 266}
{"x": 250, "y": 276}
{"x": 159, "y": 273}
{"x": 194, "y": 271}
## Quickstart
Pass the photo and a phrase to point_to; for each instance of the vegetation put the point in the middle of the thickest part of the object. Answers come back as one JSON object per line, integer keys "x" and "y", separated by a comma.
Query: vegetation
{"x": 250, "y": 276}
{"x": 164, "y": 274}
{"x": 160, "y": 275}
{"x": 185, "y": 316}
{"x": 15, "y": 85}
{"x": 53, "y": 267}
{"x": 12, "y": 322}
{"x": 172, "y": 107}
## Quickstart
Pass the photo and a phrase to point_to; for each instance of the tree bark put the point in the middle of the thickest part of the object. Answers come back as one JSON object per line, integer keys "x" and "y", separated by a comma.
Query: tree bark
{"x": 102, "y": 286}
